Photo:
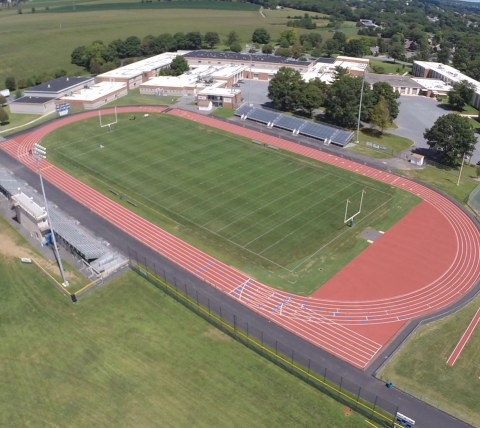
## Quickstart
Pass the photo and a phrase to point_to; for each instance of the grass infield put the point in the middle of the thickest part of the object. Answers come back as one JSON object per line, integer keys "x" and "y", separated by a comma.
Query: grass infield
{"x": 130, "y": 356}
{"x": 278, "y": 217}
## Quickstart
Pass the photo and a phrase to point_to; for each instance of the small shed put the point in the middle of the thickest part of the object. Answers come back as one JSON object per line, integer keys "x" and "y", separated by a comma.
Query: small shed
{"x": 417, "y": 159}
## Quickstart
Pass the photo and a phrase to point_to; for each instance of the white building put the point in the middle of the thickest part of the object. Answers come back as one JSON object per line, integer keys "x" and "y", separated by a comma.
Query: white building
{"x": 95, "y": 96}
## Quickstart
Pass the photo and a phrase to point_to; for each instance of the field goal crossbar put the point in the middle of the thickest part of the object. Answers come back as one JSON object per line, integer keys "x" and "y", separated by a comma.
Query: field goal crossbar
{"x": 109, "y": 125}
{"x": 351, "y": 220}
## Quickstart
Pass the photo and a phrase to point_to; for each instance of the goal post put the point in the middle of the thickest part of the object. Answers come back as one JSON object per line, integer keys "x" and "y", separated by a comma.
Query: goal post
{"x": 109, "y": 125}
{"x": 351, "y": 219}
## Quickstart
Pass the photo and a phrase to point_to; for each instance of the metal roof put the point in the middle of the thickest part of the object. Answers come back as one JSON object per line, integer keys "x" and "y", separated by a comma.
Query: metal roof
{"x": 58, "y": 85}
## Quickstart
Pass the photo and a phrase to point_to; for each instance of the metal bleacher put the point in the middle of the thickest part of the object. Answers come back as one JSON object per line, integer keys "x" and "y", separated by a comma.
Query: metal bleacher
{"x": 327, "y": 134}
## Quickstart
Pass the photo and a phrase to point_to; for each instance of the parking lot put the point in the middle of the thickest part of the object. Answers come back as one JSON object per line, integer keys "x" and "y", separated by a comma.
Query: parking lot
{"x": 419, "y": 113}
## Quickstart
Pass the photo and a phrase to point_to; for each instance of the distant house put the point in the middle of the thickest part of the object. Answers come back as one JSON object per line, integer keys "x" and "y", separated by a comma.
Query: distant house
{"x": 368, "y": 23}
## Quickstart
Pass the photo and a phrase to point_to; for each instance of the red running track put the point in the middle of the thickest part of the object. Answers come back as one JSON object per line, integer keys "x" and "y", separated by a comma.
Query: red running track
{"x": 464, "y": 339}
{"x": 353, "y": 321}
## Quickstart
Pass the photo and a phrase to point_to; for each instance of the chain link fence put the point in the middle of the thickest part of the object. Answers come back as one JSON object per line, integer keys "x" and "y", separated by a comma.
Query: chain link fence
{"x": 375, "y": 408}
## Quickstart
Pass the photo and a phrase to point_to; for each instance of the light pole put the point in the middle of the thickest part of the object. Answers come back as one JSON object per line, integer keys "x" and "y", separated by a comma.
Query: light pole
{"x": 461, "y": 169}
{"x": 39, "y": 152}
{"x": 250, "y": 76}
{"x": 360, "y": 107}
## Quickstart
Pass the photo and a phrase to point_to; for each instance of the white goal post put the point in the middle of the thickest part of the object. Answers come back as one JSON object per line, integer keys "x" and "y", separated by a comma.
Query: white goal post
{"x": 107, "y": 124}
{"x": 350, "y": 219}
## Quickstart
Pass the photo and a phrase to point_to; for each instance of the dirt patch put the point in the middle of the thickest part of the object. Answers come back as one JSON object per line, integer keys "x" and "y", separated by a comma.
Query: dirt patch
{"x": 347, "y": 411}
{"x": 11, "y": 247}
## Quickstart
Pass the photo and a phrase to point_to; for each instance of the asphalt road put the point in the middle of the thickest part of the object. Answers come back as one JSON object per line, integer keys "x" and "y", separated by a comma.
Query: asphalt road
{"x": 425, "y": 415}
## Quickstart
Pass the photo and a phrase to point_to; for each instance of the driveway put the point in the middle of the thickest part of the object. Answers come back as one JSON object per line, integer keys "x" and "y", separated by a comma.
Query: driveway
{"x": 418, "y": 113}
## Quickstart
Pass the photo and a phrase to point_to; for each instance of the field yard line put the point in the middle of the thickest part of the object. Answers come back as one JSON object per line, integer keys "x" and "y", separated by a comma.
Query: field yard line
{"x": 179, "y": 183}
{"x": 184, "y": 218}
{"x": 464, "y": 339}
{"x": 303, "y": 225}
{"x": 275, "y": 200}
{"x": 334, "y": 239}
{"x": 247, "y": 172}
{"x": 236, "y": 196}
{"x": 306, "y": 209}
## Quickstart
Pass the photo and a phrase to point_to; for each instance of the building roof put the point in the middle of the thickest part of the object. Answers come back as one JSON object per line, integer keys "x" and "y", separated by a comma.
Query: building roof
{"x": 432, "y": 84}
{"x": 30, "y": 206}
{"x": 33, "y": 100}
{"x": 393, "y": 80}
{"x": 144, "y": 66}
{"x": 451, "y": 75}
{"x": 254, "y": 58}
{"x": 94, "y": 92}
{"x": 59, "y": 85}
{"x": 224, "y": 92}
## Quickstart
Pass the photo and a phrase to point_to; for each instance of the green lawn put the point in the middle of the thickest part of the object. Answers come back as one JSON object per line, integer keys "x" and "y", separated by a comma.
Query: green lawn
{"x": 466, "y": 109}
{"x": 16, "y": 120}
{"x": 224, "y": 113}
{"x": 394, "y": 144}
{"x": 420, "y": 366}
{"x": 130, "y": 356}
{"x": 277, "y": 217}
{"x": 446, "y": 180}
{"x": 389, "y": 67}
{"x": 135, "y": 98}
{"x": 47, "y": 38}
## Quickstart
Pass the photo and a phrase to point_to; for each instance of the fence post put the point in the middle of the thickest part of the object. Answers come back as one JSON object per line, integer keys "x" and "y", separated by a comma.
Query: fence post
{"x": 292, "y": 356}
{"x": 325, "y": 375}
{"x": 235, "y": 324}
{"x": 155, "y": 270}
{"x": 196, "y": 292}
{"x": 164, "y": 276}
{"x": 341, "y": 382}
{"x": 374, "y": 405}
{"x": 309, "y": 361}
{"x": 208, "y": 299}
{"x": 359, "y": 392}
{"x": 145, "y": 263}
{"x": 247, "y": 331}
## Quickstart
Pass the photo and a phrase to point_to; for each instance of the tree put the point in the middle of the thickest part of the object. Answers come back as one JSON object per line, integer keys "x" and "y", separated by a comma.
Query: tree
{"x": 354, "y": 47}
{"x": 78, "y": 56}
{"x": 260, "y": 35}
{"x": 132, "y": 46}
{"x": 267, "y": 49}
{"x": 343, "y": 100}
{"x": 179, "y": 65}
{"x": 289, "y": 35}
{"x": 93, "y": 54}
{"x": 380, "y": 116}
{"x": 18, "y": 94}
{"x": 211, "y": 38}
{"x": 396, "y": 51}
{"x": 296, "y": 50}
{"x": 461, "y": 58}
{"x": 383, "y": 89}
{"x": 340, "y": 38}
{"x": 331, "y": 46}
{"x": 10, "y": 83}
{"x": 286, "y": 89}
{"x": 232, "y": 38}
{"x": 180, "y": 40}
{"x": 283, "y": 52}
{"x": 3, "y": 116}
{"x": 444, "y": 55}
{"x": 119, "y": 46}
{"x": 315, "y": 39}
{"x": 236, "y": 47}
{"x": 193, "y": 40}
{"x": 453, "y": 136}
{"x": 461, "y": 93}
{"x": 313, "y": 95}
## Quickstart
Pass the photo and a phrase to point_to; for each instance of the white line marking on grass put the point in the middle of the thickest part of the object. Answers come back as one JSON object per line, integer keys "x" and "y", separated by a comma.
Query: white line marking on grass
{"x": 297, "y": 214}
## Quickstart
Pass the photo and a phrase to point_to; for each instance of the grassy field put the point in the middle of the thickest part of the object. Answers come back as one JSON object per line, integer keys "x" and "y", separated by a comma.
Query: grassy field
{"x": 446, "y": 180}
{"x": 224, "y": 113}
{"x": 130, "y": 356}
{"x": 389, "y": 67}
{"x": 394, "y": 144}
{"x": 47, "y": 38}
{"x": 466, "y": 109}
{"x": 135, "y": 98}
{"x": 420, "y": 366}
{"x": 277, "y": 217}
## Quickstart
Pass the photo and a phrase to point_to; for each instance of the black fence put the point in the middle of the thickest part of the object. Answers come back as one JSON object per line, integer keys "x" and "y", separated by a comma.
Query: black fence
{"x": 370, "y": 405}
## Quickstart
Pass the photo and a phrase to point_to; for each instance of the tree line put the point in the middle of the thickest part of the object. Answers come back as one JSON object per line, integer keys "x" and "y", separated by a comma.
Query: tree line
{"x": 341, "y": 100}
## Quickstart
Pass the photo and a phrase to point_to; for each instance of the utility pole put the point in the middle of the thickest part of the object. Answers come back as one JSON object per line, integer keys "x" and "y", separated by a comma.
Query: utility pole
{"x": 39, "y": 152}
{"x": 461, "y": 169}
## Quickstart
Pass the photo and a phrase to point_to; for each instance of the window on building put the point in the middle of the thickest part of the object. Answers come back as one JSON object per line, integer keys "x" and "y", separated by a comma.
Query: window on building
{"x": 403, "y": 90}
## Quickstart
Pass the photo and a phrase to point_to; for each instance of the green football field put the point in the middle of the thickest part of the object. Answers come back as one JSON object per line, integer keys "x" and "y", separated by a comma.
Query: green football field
{"x": 266, "y": 209}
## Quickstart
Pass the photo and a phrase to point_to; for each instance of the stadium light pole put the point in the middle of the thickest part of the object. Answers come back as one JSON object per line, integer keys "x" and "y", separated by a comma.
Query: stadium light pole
{"x": 39, "y": 152}
{"x": 461, "y": 169}
{"x": 360, "y": 107}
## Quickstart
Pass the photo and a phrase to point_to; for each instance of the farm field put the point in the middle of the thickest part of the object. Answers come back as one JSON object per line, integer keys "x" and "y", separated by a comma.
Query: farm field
{"x": 47, "y": 38}
{"x": 130, "y": 356}
{"x": 420, "y": 367}
{"x": 277, "y": 217}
